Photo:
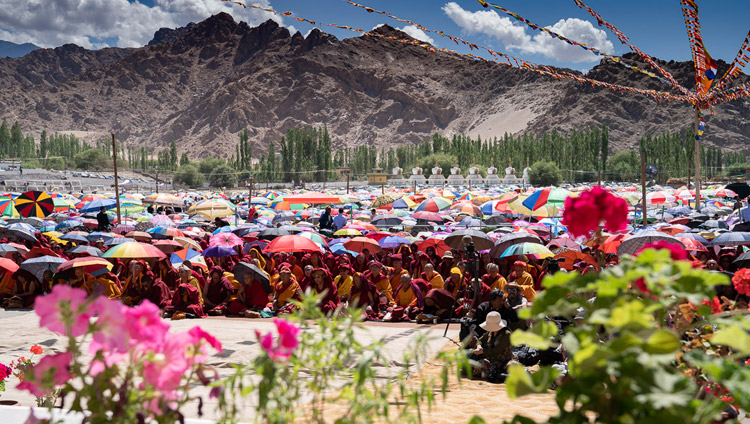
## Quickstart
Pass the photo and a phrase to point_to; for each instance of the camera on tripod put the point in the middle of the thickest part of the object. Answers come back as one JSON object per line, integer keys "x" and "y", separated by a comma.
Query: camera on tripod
{"x": 469, "y": 247}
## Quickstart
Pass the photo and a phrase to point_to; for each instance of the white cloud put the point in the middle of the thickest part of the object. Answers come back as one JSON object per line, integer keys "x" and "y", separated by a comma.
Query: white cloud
{"x": 513, "y": 35}
{"x": 87, "y": 22}
{"x": 416, "y": 33}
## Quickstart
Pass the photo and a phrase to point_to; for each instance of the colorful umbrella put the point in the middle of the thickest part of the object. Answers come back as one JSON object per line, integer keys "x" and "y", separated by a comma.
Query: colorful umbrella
{"x": 537, "y": 199}
{"x": 219, "y": 252}
{"x": 89, "y": 264}
{"x": 313, "y": 198}
{"x": 292, "y": 244}
{"x": 133, "y": 250}
{"x": 166, "y": 231}
{"x": 180, "y": 256}
{"x": 163, "y": 199}
{"x": 527, "y": 249}
{"x": 95, "y": 205}
{"x": 435, "y": 204}
{"x": 188, "y": 243}
{"x": 7, "y": 207}
{"x": 35, "y": 203}
{"x": 315, "y": 237}
{"x": 360, "y": 244}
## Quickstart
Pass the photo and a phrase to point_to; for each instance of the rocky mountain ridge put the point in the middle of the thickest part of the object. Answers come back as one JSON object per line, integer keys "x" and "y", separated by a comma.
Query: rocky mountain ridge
{"x": 201, "y": 85}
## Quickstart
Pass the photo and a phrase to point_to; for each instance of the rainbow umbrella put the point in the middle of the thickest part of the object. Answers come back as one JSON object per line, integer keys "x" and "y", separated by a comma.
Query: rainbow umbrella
{"x": 35, "y": 204}
{"x": 403, "y": 203}
{"x": 195, "y": 258}
{"x": 61, "y": 205}
{"x": 88, "y": 263}
{"x": 133, "y": 250}
{"x": 527, "y": 249}
{"x": 7, "y": 207}
{"x": 434, "y": 204}
{"x": 315, "y": 237}
{"x": 166, "y": 231}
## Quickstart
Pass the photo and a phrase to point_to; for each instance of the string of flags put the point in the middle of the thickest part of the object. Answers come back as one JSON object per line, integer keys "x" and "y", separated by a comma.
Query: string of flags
{"x": 699, "y": 100}
{"x": 705, "y": 66}
{"x": 738, "y": 64}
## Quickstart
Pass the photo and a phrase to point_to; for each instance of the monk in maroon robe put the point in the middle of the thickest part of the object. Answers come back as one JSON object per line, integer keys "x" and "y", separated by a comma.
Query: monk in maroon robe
{"x": 216, "y": 292}
{"x": 156, "y": 291}
{"x": 323, "y": 285}
{"x": 252, "y": 297}
{"x": 186, "y": 300}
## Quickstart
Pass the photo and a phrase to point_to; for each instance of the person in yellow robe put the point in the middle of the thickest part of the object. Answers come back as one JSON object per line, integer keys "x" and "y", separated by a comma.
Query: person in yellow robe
{"x": 523, "y": 279}
{"x": 285, "y": 290}
{"x": 381, "y": 281}
{"x": 432, "y": 277}
{"x": 103, "y": 285}
{"x": 186, "y": 277}
{"x": 396, "y": 272}
{"x": 493, "y": 279}
{"x": 344, "y": 282}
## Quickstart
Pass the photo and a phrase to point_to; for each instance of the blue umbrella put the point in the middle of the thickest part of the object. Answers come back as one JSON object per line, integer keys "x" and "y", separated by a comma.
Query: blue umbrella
{"x": 339, "y": 249}
{"x": 71, "y": 223}
{"x": 99, "y": 235}
{"x": 225, "y": 229}
{"x": 74, "y": 238}
{"x": 219, "y": 252}
{"x": 95, "y": 205}
{"x": 400, "y": 204}
{"x": 393, "y": 242}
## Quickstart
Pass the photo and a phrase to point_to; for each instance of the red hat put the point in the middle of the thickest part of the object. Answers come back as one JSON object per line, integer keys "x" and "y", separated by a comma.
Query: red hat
{"x": 396, "y": 257}
{"x": 519, "y": 263}
{"x": 285, "y": 269}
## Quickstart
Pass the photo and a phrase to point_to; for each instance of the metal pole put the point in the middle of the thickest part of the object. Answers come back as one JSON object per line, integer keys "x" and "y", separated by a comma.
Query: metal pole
{"x": 250, "y": 194}
{"x": 697, "y": 163}
{"x": 117, "y": 184}
{"x": 643, "y": 185}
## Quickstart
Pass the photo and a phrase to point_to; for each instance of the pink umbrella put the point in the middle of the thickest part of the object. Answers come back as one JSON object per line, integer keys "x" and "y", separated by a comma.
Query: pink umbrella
{"x": 162, "y": 221}
{"x": 225, "y": 239}
{"x": 566, "y": 242}
{"x": 123, "y": 229}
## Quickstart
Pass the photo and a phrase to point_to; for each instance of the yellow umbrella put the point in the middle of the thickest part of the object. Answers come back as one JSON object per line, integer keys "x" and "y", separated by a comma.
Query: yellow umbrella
{"x": 347, "y": 232}
{"x": 546, "y": 211}
{"x": 211, "y": 209}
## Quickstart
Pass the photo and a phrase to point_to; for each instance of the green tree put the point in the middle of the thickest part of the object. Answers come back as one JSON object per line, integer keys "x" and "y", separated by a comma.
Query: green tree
{"x": 172, "y": 155}
{"x": 184, "y": 159}
{"x": 93, "y": 159}
{"x": 544, "y": 174}
{"x": 444, "y": 161}
{"x": 223, "y": 176}
{"x": 624, "y": 166}
{"x": 207, "y": 165}
{"x": 188, "y": 174}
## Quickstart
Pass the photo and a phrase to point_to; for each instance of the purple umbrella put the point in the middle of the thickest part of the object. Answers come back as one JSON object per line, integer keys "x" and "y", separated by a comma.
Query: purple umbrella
{"x": 219, "y": 252}
{"x": 392, "y": 242}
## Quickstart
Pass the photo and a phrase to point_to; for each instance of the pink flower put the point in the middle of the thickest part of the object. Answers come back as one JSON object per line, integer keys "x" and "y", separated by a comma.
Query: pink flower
{"x": 199, "y": 334}
{"x": 199, "y": 352}
{"x": 164, "y": 368}
{"x": 50, "y": 372}
{"x": 288, "y": 340}
{"x": 583, "y": 214}
{"x": 741, "y": 281}
{"x": 288, "y": 334}
{"x": 144, "y": 324}
{"x": 110, "y": 334}
{"x": 63, "y": 306}
{"x": 5, "y": 371}
{"x": 676, "y": 252}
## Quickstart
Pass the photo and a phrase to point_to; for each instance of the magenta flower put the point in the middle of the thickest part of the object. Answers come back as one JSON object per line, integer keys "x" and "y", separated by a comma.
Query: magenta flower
{"x": 199, "y": 334}
{"x": 144, "y": 324}
{"x": 676, "y": 252}
{"x": 63, "y": 306}
{"x": 583, "y": 214}
{"x": 165, "y": 367}
{"x": 199, "y": 351}
{"x": 288, "y": 340}
{"x": 50, "y": 372}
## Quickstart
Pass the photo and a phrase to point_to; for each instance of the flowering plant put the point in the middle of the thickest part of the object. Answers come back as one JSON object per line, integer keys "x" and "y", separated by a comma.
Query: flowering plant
{"x": 741, "y": 281}
{"x": 5, "y": 372}
{"x": 21, "y": 367}
{"x": 583, "y": 214}
{"x": 139, "y": 369}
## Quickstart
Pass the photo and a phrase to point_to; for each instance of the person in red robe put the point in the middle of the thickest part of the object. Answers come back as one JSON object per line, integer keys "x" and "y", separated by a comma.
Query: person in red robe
{"x": 323, "y": 285}
{"x": 166, "y": 273}
{"x": 216, "y": 292}
{"x": 156, "y": 291}
{"x": 438, "y": 302}
{"x": 363, "y": 294}
{"x": 252, "y": 297}
{"x": 186, "y": 303}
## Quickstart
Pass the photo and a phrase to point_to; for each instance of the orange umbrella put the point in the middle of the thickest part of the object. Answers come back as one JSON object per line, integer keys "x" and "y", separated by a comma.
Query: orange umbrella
{"x": 359, "y": 244}
{"x": 571, "y": 257}
{"x": 437, "y": 244}
{"x": 671, "y": 230}
{"x": 139, "y": 235}
{"x": 612, "y": 242}
{"x": 313, "y": 198}
{"x": 692, "y": 244}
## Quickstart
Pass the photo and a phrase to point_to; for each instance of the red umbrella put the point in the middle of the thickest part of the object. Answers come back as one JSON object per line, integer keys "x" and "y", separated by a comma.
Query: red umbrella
{"x": 359, "y": 244}
{"x": 437, "y": 244}
{"x": 36, "y": 252}
{"x": 691, "y": 244}
{"x": 225, "y": 239}
{"x": 378, "y": 235}
{"x": 427, "y": 216}
{"x": 285, "y": 244}
{"x": 89, "y": 264}
{"x": 312, "y": 198}
{"x": 8, "y": 265}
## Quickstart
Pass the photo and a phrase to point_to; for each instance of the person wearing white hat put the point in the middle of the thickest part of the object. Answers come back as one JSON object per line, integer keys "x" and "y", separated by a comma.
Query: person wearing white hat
{"x": 494, "y": 349}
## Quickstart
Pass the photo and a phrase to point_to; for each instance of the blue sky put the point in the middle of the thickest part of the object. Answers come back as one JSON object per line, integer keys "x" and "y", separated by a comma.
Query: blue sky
{"x": 655, "y": 26}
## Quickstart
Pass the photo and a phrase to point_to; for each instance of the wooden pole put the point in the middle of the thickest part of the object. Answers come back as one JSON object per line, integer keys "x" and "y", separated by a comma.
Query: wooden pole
{"x": 157, "y": 180}
{"x": 347, "y": 182}
{"x": 117, "y": 183}
{"x": 643, "y": 186}
{"x": 697, "y": 163}
{"x": 250, "y": 195}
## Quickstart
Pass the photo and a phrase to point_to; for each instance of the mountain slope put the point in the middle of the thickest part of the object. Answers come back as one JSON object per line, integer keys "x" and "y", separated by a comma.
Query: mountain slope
{"x": 12, "y": 50}
{"x": 202, "y": 84}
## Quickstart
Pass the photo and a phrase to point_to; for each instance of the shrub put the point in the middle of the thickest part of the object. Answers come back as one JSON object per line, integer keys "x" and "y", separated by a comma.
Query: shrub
{"x": 544, "y": 174}
{"x": 223, "y": 176}
{"x": 188, "y": 175}
{"x": 93, "y": 159}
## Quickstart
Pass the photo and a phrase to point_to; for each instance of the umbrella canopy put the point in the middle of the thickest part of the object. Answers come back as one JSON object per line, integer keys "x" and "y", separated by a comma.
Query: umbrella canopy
{"x": 434, "y": 204}
{"x": 96, "y": 235}
{"x": 166, "y": 231}
{"x": 195, "y": 258}
{"x": 435, "y": 243}
{"x": 692, "y": 244}
{"x": 97, "y": 204}
{"x": 570, "y": 257}
{"x": 139, "y": 235}
{"x": 360, "y": 244}
{"x": 188, "y": 243}
{"x": 8, "y": 266}
{"x": 347, "y": 232}
{"x": 243, "y": 267}
{"x": 636, "y": 242}
{"x": 315, "y": 237}
{"x": 75, "y": 238}
{"x": 88, "y": 263}
{"x": 272, "y": 233}
{"x": 225, "y": 239}
{"x": 731, "y": 239}
{"x": 38, "y": 266}
{"x": 386, "y": 221}
{"x": 511, "y": 239}
{"x": 35, "y": 203}
{"x": 385, "y": 199}
{"x": 659, "y": 197}
{"x": 393, "y": 242}
{"x": 695, "y": 236}
{"x": 118, "y": 240}
{"x": 91, "y": 250}
{"x": 742, "y": 189}
{"x": 219, "y": 252}
{"x": 213, "y": 208}
{"x": 566, "y": 242}
{"x": 743, "y": 261}
{"x": 313, "y": 198}
{"x": 537, "y": 199}
{"x": 292, "y": 243}
{"x": 162, "y": 199}
{"x": 168, "y": 246}
{"x": 134, "y": 250}
{"x": 528, "y": 249}
{"x": 713, "y": 223}
{"x": 481, "y": 240}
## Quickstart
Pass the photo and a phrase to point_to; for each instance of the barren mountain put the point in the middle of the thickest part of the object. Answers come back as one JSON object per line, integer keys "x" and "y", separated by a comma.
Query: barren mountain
{"x": 202, "y": 84}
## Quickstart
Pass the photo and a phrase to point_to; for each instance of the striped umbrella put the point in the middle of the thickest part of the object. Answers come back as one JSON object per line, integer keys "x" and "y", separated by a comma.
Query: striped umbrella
{"x": 315, "y": 237}
{"x": 89, "y": 264}
{"x": 35, "y": 203}
{"x": 537, "y": 199}
{"x": 166, "y": 231}
{"x": 527, "y": 249}
{"x": 195, "y": 258}
{"x": 133, "y": 250}
{"x": 434, "y": 204}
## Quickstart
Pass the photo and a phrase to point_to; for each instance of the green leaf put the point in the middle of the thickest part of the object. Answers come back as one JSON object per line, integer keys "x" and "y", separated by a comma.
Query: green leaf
{"x": 734, "y": 337}
{"x": 662, "y": 342}
{"x": 590, "y": 357}
{"x": 539, "y": 337}
{"x": 476, "y": 419}
{"x": 631, "y": 315}
{"x": 520, "y": 382}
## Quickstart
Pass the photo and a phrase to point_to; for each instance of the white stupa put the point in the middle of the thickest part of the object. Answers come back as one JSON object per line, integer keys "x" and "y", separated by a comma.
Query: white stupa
{"x": 474, "y": 176}
{"x": 526, "y": 172}
{"x": 437, "y": 177}
{"x": 456, "y": 178}
{"x": 510, "y": 174}
{"x": 417, "y": 175}
{"x": 492, "y": 177}
{"x": 398, "y": 176}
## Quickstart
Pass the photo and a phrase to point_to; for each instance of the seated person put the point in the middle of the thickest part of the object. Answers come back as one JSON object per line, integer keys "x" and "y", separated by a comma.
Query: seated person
{"x": 471, "y": 330}
{"x": 285, "y": 290}
{"x": 524, "y": 280}
{"x": 382, "y": 283}
{"x": 25, "y": 291}
{"x": 343, "y": 281}
{"x": 408, "y": 301}
{"x": 323, "y": 285}
{"x": 186, "y": 302}
{"x": 251, "y": 298}
{"x": 363, "y": 293}
{"x": 438, "y": 303}
{"x": 493, "y": 279}
{"x": 433, "y": 278}
{"x": 493, "y": 352}
{"x": 217, "y": 292}
{"x": 104, "y": 285}
{"x": 156, "y": 291}
{"x": 515, "y": 298}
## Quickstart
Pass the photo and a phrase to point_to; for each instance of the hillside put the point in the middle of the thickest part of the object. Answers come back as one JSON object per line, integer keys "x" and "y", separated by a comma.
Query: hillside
{"x": 200, "y": 85}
